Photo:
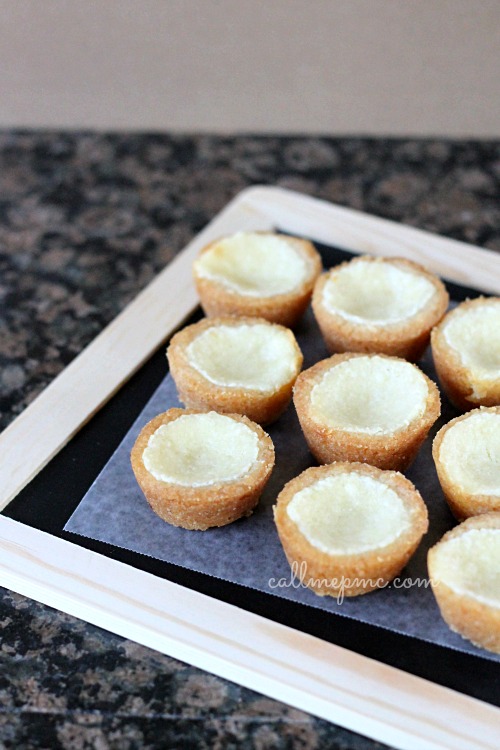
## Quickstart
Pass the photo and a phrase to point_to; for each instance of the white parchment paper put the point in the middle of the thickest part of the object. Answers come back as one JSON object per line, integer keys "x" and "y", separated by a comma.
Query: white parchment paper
{"x": 248, "y": 552}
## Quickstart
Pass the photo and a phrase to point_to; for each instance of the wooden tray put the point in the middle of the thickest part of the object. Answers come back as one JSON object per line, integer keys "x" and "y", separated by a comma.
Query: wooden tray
{"x": 322, "y": 678}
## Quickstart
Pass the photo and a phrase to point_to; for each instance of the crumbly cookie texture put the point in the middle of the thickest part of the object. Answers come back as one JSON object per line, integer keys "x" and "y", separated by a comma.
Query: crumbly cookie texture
{"x": 349, "y": 528}
{"x": 257, "y": 274}
{"x": 466, "y": 352}
{"x": 366, "y": 407}
{"x": 236, "y": 365}
{"x": 464, "y": 570}
{"x": 384, "y": 305}
{"x": 466, "y": 453}
{"x": 202, "y": 469}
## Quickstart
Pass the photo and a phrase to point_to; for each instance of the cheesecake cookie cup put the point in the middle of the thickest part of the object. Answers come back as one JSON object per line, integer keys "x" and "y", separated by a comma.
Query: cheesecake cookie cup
{"x": 385, "y": 305}
{"x": 466, "y": 452}
{"x": 257, "y": 274}
{"x": 236, "y": 365}
{"x": 464, "y": 571}
{"x": 202, "y": 469}
{"x": 466, "y": 351}
{"x": 366, "y": 407}
{"x": 349, "y": 528}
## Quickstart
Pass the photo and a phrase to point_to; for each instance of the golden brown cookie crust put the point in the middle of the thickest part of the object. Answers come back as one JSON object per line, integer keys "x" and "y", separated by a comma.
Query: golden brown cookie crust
{"x": 474, "y": 620}
{"x": 457, "y": 380}
{"x": 196, "y": 392}
{"x": 407, "y": 339}
{"x": 462, "y": 504}
{"x": 285, "y": 309}
{"x": 202, "y": 507}
{"x": 353, "y": 574}
{"x": 394, "y": 450}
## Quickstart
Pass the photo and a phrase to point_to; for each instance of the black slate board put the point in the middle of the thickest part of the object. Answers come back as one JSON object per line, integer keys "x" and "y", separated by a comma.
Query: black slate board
{"x": 50, "y": 499}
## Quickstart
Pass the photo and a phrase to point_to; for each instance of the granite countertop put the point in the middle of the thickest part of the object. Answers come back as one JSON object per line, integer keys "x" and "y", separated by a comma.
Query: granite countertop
{"x": 86, "y": 221}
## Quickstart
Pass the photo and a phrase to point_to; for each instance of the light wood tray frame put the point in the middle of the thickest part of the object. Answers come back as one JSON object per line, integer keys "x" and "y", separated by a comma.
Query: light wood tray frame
{"x": 331, "y": 682}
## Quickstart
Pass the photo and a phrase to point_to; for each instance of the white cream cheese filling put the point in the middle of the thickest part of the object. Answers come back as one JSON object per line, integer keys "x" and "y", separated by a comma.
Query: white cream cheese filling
{"x": 470, "y": 564}
{"x": 348, "y": 513}
{"x": 376, "y": 293}
{"x": 474, "y": 334}
{"x": 197, "y": 450}
{"x": 470, "y": 451}
{"x": 372, "y": 395}
{"x": 256, "y": 357}
{"x": 254, "y": 265}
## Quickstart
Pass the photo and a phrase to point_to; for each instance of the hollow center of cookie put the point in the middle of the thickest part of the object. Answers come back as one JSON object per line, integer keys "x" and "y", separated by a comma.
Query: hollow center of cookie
{"x": 470, "y": 564}
{"x": 470, "y": 451}
{"x": 372, "y": 293}
{"x": 201, "y": 449}
{"x": 372, "y": 395}
{"x": 348, "y": 513}
{"x": 474, "y": 333}
{"x": 254, "y": 265}
{"x": 256, "y": 357}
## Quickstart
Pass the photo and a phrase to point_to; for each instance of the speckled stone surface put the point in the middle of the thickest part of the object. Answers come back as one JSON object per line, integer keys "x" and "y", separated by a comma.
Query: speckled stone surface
{"x": 86, "y": 221}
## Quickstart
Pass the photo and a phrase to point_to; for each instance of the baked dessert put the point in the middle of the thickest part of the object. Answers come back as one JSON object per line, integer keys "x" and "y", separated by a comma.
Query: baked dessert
{"x": 236, "y": 365}
{"x": 386, "y": 305}
{"x": 466, "y": 351}
{"x": 258, "y": 274}
{"x": 349, "y": 528}
{"x": 366, "y": 407}
{"x": 202, "y": 469}
{"x": 464, "y": 571}
{"x": 466, "y": 452}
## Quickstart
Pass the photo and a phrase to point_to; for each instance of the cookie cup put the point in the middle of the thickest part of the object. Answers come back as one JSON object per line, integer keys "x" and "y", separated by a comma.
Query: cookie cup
{"x": 232, "y": 379}
{"x": 387, "y": 449}
{"x": 365, "y": 305}
{"x": 464, "y": 579}
{"x": 469, "y": 370}
{"x": 350, "y": 574}
{"x": 221, "y": 295}
{"x": 201, "y": 506}
{"x": 466, "y": 453}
